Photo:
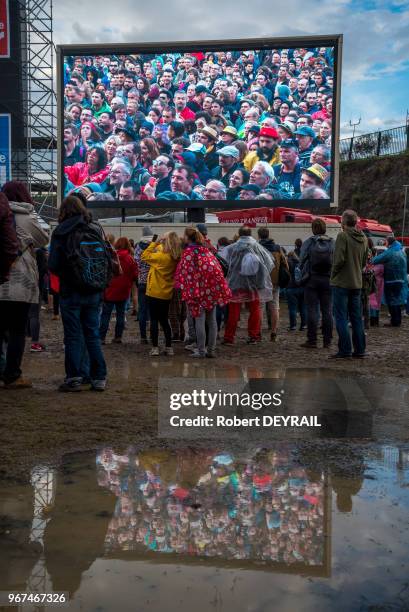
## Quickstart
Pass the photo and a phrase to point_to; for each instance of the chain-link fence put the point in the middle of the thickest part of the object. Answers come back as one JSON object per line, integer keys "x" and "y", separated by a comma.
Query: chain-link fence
{"x": 385, "y": 142}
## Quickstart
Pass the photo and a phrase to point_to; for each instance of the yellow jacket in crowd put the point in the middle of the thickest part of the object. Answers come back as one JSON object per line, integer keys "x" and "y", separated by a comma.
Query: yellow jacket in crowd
{"x": 161, "y": 272}
{"x": 252, "y": 158}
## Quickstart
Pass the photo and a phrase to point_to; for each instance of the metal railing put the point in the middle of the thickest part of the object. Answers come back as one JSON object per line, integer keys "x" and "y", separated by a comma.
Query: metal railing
{"x": 385, "y": 142}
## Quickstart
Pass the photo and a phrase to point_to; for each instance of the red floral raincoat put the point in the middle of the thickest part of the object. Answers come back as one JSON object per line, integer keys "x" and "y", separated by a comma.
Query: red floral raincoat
{"x": 200, "y": 278}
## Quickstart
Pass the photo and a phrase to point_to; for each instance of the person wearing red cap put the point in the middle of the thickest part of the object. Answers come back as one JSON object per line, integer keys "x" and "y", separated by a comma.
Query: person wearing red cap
{"x": 267, "y": 150}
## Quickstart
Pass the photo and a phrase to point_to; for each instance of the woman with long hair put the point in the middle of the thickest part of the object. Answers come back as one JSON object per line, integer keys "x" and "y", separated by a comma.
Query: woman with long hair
{"x": 375, "y": 297}
{"x": 91, "y": 75}
{"x": 88, "y": 88}
{"x": 93, "y": 170}
{"x": 203, "y": 287}
{"x": 143, "y": 87}
{"x": 242, "y": 148}
{"x": 111, "y": 144}
{"x": 118, "y": 291}
{"x": 238, "y": 178}
{"x": 261, "y": 102}
{"x": 74, "y": 113}
{"x": 89, "y": 134}
{"x": 162, "y": 257}
{"x": 325, "y": 132}
{"x": 21, "y": 290}
{"x": 149, "y": 152}
{"x": 80, "y": 309}
{"x": 154, "y": 115}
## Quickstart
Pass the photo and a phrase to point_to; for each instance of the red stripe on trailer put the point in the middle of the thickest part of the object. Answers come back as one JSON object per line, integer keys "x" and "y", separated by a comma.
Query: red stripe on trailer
{"x": 252, "y": 216}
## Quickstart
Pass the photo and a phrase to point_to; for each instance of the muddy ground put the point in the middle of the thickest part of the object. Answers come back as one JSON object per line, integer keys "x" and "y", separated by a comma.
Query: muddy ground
{"x": 41, "y": 424}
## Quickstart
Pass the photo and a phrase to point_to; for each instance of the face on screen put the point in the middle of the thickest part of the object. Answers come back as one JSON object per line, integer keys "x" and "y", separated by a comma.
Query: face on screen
{"x": 266, "y": 115}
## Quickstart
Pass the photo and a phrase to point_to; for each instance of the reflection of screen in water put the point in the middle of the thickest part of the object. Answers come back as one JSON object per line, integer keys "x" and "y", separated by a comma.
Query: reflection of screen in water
{"x": 262, "y": 507}
{"x": 235, "y": 125}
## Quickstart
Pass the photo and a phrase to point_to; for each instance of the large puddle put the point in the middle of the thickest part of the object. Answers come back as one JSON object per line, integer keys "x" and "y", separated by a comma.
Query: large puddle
{"x": 289, "y": 528}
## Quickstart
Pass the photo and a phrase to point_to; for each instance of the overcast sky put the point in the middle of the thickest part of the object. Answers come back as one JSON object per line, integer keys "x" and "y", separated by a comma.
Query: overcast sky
{"x": 375, "y": 81}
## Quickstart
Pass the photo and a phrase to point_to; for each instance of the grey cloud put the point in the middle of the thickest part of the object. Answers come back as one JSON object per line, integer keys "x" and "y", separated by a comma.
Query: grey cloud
{"x": 370, "y": 37}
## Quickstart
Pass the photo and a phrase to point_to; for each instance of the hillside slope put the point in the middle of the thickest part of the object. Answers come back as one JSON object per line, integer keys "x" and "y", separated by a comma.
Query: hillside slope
{"x": 373, "y": 187}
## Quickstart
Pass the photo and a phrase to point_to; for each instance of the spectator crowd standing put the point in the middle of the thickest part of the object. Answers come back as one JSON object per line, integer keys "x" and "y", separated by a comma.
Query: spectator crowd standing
{"x": 191, "y": 289}
{"x": 233, "y": 125}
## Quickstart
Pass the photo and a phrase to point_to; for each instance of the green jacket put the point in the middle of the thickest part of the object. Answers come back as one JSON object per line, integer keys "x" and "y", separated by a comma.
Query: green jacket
{"x": 105, "y": 108}
{"x": 350, "y": 258}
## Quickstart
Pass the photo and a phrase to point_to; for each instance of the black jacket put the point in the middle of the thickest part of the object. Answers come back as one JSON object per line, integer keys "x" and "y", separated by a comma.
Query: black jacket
{"x": 163, "y": 185}
{"x": 293, "y": 262}
{"x": 217, "y": 174}
{"x": 270, "y": 245}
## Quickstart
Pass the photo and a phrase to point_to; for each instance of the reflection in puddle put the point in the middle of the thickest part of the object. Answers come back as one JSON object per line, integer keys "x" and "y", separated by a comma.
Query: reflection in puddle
{"x": 260, "y": 507}
{"x": 224, "y": 529}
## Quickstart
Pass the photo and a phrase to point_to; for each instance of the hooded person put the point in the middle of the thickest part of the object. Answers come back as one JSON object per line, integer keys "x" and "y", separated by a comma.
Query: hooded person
{"x": 249, "y": 278}
{"x": 280, "y": 261}
{"x": 203, "y": 287}
{"x": 143, "y": 271}
{"x": 202, "y": 228}
{"x": 162, "y": 257}
{"x": 78, "y": 239}
{"x": 21, "y": 288}
{"x": 8, "y": 239}
{"x": 118, "y": 292}
{"x": 375, "y": 298}
{"x": 198, "y": 151}
{"x": 316, "y": 259}
{"x": 283, "y": 92}
{"x": 395, "y": 279}
{"x": 350, "y": 258}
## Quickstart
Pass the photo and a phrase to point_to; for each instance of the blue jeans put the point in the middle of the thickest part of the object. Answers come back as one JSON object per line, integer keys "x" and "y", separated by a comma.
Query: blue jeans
{"x": 393, "y": 297}
{"x": 221, "y": 315}
{"x": 318, "y": 298}
{"x": 80, "y": 317}
{"x": 295, "y": 303}
{"x": 84, "y": 364}
{"x": 107, "y": 309}
{"x": 348, "y": 308}
{"x": 143, "y": 311}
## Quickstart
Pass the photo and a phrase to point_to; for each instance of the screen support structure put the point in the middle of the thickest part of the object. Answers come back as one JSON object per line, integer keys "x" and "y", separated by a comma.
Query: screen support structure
{"x": 39, "y": 102}
{"x": 196, "y": 215}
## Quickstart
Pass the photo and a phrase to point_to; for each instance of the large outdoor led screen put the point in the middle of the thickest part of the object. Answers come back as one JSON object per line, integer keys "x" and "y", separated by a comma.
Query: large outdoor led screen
{"x": 233, "y": 123}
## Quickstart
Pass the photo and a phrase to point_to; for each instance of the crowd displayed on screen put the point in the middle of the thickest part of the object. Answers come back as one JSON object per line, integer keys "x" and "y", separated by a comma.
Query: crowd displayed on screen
{"x": 263, "y": 507}
{"x": 234, "y": 125}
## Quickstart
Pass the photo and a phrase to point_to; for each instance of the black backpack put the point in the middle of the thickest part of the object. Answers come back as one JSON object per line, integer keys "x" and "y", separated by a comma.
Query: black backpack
{"x": 223, "y": 264}
{"x": 284, "y": 276}
{"x": 320, "y": 256}
{"x": 89, "y": 259}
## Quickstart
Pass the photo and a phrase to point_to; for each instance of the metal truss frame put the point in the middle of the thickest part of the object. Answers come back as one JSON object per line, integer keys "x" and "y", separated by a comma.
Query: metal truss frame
{"x": 38, "y": 161}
